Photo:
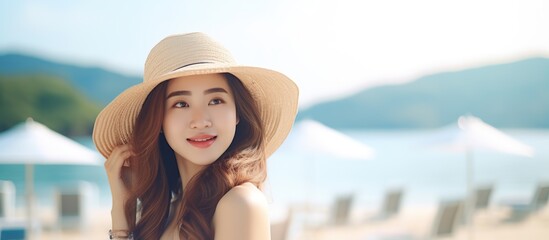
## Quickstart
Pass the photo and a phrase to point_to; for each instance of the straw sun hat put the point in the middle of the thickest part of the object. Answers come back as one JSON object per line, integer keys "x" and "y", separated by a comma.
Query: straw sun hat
{"x": 195, "y": 54}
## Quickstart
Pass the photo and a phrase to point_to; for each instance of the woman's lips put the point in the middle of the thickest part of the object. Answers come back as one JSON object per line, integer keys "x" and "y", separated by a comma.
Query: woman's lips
{"x": 202, "y": 141}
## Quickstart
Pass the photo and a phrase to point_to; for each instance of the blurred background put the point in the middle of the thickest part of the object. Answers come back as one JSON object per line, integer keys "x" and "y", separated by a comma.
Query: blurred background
{"x": 382, "y": 86}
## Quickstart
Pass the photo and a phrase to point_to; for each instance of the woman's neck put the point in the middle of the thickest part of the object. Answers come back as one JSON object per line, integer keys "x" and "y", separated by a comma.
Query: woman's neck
{"x": 187, "y": 170}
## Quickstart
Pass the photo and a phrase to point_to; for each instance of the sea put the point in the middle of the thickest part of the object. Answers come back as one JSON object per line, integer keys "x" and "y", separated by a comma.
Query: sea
{"x": 401, "y": 160}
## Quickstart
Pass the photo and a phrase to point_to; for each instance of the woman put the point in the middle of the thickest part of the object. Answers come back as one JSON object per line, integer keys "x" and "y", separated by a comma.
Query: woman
{"x": 186, "y": 149}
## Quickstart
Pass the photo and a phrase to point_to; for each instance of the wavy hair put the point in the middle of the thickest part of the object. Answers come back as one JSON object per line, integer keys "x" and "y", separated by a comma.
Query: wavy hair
{"x": 155, "y": 181}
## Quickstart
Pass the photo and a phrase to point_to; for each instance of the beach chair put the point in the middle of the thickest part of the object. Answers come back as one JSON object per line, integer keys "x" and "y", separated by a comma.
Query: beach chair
{"x": 482, "y": 197}
{"x": 392, "y": 202}
{"x": 443, "y": 226}
{"x": 7, "y": 199}
{"x": 340, "y": 212}
{"x": 13, "y": 230}
{"x": 520, "y": 211}
{"x": 446, "y": 219}
{"x": 391, "y": 205}
{"x": 481, "y": 202}
{"x": 541, "y": 197}
{"x": 73, "y": 205}
{"x": 338, "y": 215}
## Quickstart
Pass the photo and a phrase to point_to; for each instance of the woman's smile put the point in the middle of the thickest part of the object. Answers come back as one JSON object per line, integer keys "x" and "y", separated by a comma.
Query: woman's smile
{"x": 202, "y": 141}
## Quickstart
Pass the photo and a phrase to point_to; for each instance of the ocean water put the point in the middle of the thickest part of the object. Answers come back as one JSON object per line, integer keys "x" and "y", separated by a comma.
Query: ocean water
{"x": 403, "y": 160}
{"x": 425, "y": 174}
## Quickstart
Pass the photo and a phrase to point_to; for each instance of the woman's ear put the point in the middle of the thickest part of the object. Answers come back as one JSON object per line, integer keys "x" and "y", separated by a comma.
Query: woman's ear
{"x": 237, "y": 120}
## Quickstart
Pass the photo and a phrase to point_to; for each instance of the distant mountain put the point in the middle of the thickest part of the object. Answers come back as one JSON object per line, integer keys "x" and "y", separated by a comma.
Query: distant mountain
{"x": 511, "y": 95}
{"x": 48, "y": 100}
{"x": 97, "y": 84}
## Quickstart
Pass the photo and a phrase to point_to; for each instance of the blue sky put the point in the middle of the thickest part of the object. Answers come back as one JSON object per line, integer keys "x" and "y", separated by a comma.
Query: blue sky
{"x": 329, "y": 48}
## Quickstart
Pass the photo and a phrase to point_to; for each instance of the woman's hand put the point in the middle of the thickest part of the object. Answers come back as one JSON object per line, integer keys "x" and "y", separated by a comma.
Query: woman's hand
{"x": 115, "y": 168}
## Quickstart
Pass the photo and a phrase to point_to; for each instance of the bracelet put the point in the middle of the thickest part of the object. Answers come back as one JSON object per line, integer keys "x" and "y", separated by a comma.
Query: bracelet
{"x": 120, "y": 234}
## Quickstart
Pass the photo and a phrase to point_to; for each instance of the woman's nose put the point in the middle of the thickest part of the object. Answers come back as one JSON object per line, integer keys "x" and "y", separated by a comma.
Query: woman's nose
{"x": 200, "y": 119}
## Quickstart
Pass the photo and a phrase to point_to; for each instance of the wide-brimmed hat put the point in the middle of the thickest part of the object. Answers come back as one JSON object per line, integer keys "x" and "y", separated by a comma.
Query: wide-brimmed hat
{"x": 175, "y": 56}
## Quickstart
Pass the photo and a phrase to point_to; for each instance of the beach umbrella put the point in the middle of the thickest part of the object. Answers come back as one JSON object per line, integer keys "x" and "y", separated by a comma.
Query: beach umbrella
{"x": 31, "y": 143}
{"x": 310, "y": 140}
{"x": 471, "y": 134}
{"x": 314, "y": 138}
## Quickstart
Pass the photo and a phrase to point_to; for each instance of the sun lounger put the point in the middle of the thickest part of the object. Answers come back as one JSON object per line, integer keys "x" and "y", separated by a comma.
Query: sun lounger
{"x": 13, "y": 230}
{"x": 480, "y": 202}
{"x": 444, "y": 224}
{"x": 391, "y": 205}
{"x": 341, "y": 210}
{"x": 446, "y": 219}
{"x": 482, "y": 197}
{"x": 521, "y": 210}
{"x": 74, "y": 203}
{"x": 338, "y": 214}
{"x": 7, "y": 199}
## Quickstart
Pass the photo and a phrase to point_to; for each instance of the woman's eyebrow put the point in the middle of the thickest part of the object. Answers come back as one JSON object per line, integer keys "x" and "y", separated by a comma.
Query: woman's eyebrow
{"x": 178, "y": 93}
{"x": 214, "y": 90}
{"x": 188, "y": 93}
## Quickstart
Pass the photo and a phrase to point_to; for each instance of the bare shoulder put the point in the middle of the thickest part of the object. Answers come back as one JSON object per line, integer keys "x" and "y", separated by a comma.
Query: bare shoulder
{"x": 245, "y": 196}
{"x": 242, "y": 213}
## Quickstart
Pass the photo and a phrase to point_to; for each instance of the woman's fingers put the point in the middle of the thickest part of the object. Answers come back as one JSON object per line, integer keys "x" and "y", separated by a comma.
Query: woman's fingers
{"x": 118, "y": 158}
{"x": 114, "y": 167}
{"x": 118, "y": 153}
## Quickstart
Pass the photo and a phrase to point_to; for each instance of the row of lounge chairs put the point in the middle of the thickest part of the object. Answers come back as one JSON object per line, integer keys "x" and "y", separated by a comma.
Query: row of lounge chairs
{"x": 449, "y": 216}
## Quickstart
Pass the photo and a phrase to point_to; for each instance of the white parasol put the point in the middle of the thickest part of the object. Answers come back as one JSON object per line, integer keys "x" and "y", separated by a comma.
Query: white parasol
{"x": 310, "y": 140}
{"x": 470, "y": 134}
{"x": 315, "y": 138}
{"x": 32, "y": 143}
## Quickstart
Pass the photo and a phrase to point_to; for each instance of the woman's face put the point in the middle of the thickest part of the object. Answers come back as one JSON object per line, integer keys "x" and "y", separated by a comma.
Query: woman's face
{"x": 200, "y": 117}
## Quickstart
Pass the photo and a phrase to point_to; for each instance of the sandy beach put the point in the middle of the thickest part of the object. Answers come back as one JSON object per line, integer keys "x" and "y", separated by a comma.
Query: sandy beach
{"x": 48, "y": 226}
{"x": 97, "y": 227}
{"x": 409, "y": 224}
{"x": 417, "y": 223}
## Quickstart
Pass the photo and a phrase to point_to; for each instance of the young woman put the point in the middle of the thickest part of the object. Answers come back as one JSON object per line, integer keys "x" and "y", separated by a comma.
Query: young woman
{"x": 186, "y": 149}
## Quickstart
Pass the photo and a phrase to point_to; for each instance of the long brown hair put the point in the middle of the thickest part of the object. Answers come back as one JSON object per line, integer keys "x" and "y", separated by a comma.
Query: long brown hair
{"x": 155, "y": 180}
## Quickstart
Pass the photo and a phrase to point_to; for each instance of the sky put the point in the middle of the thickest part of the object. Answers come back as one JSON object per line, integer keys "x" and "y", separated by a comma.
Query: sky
{"x": 329, "y": 48}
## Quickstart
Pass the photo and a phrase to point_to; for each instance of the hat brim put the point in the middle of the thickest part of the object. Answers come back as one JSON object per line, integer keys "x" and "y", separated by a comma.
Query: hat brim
{"x": 275, "y": 95}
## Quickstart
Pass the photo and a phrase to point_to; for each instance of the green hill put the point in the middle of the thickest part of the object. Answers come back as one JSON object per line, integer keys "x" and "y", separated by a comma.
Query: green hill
{"x": 511, "y": 95}
{"x": 49, "y": 100}
{"x": 64, "y": 97}
{"x": 97, "y": 84}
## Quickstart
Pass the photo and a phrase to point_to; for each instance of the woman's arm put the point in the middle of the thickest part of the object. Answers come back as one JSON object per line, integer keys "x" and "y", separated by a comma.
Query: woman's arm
{"x": 242, "y": 214}
{"x": 114, "y": 166}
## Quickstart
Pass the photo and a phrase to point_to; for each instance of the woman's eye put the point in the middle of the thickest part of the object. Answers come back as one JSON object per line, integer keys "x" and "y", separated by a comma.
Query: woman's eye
{"x": 181, "y": 105}
{"x": 216, "y": 101}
